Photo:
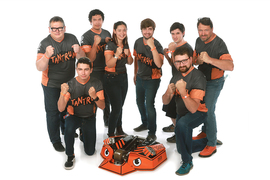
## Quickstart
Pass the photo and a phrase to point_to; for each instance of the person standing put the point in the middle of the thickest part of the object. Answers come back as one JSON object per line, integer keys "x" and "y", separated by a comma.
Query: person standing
{"x": 148, "y": 54}
{"x": 82, "y": 95}
{"x": 117, "y": 55}
{"x": 56, "y": 58}
{"x": 93, "y": 43}
{"x": 213, "y": 58}
{"x": 188, "y": 86}
{"x": 177, "y": 31}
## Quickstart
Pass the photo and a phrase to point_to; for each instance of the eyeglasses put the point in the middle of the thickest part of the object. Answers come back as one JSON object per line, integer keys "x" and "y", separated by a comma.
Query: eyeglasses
{"x": 184, "y": 61}
{"x": 57, "y": 29}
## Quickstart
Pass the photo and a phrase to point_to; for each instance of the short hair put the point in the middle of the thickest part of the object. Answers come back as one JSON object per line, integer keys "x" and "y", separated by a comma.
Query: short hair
{"x": 205, "y": 21}
{"x": 84, "y": 60}
{"x": 182, "y": 50}
{"x": 56, "y": 19}
{"x": 148, "y": 23}
{"x": 179, "y": 26}
{"x": 95, "y": 12}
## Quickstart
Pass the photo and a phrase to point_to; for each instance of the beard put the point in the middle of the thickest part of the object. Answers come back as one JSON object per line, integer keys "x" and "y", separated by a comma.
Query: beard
{"x": 184, "y": 69}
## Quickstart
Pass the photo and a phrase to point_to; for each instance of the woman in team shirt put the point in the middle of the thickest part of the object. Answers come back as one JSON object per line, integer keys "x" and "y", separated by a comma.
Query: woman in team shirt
{"x": 117, "y": 55}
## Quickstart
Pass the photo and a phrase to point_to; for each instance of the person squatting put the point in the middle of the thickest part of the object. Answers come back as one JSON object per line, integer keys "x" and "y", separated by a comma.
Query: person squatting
{"x": 101, "y": 82}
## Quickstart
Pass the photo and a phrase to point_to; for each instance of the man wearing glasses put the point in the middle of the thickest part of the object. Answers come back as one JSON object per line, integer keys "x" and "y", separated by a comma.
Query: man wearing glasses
{"x": 188, "y": 87}
{"x": 56, "y": 58}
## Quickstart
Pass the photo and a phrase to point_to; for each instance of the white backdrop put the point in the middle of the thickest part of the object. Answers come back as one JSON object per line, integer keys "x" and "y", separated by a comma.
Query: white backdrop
{"x": 241, "y": 109}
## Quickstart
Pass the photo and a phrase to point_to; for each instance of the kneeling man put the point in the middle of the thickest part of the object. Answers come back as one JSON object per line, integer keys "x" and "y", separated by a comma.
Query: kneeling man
{"x": 188, "y": 85}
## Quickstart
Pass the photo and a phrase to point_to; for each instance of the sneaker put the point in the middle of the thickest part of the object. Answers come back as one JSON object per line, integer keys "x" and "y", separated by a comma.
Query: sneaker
{"x": 199, "y": 136}
{"x": 208, "y": 151}
{"x": 150, "y": 140}
{"x": 70, "y": 163}
{"x": 169, "y": 128}
{"x": 140, "y": 128}
{"x": 59, "y": 147}
{"x": 171, "y": 139}
{"x": 184, "y": 169}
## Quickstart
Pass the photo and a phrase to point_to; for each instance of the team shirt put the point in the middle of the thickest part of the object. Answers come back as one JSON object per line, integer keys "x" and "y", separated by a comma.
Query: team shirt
{"x": 216, "y": 48}
{"x": 120, "y": 65}
{"x": 87, "y": 42}
{"x": 80, "y": 103}
{"x": 61, "y": 67}
{"x": 147, "y": 68}
{"x": 196, "y": 85}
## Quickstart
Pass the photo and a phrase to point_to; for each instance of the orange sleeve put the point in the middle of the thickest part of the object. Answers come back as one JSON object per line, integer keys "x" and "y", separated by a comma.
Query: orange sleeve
{"x": 100, "y": 95}
{"x": 86, "y": 48}
{"x": 226, "y": 57}
{"x": 197, "y": 94}
{"x": 39, "y": 56}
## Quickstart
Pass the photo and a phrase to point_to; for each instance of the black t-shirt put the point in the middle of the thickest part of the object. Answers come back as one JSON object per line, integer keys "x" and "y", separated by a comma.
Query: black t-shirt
{"x": 61, "y": 67}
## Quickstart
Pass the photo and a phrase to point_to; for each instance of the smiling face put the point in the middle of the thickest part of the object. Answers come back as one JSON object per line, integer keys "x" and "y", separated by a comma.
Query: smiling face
{"x": 147, "y": 32}
{"x": 57, "y": 30}
{"x": 177, "y": 35}
{"x": 120, "y": 32}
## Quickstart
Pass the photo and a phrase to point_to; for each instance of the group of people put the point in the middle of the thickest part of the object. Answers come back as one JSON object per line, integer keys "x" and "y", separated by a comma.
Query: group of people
{"x": 101, "y": 82}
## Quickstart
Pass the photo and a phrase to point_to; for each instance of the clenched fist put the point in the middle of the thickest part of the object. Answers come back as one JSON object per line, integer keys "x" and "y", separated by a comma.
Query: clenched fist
{"x": 64, "y": 88}
{"x": 49, "y": 51}
{"x": 92, "y": 92}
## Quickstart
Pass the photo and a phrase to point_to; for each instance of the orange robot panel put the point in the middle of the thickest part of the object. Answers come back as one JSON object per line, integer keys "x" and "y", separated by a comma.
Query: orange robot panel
{"x": 126, "y": 154}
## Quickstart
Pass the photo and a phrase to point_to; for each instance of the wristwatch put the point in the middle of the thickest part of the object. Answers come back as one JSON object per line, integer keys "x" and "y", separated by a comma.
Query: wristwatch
{"x": 96, "y": 99}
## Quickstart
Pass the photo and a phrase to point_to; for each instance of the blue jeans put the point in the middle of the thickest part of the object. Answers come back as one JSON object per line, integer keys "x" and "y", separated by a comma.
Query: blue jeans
{"x": 213, "y": 89}
{"x": 53, "y": 116}
{"x": 88, "y": 127}
{"x": 146, "y": 91}
{"x": 183, "y": 133}
{"x": 116, "y": 87}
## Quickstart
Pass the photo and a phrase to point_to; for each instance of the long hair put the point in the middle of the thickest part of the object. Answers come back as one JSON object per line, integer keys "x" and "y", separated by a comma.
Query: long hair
{"x": 114, "y": 38}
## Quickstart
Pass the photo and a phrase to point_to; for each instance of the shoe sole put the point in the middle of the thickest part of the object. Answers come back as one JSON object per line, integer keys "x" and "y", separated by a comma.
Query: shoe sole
{"x": 208, "y": 155}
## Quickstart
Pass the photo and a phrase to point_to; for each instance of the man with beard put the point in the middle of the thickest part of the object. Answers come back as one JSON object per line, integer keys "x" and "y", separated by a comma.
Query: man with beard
{"x": 177, "y": 31}
{"x": 213, "y": 58}
{"x": 188, "y": 87}
{"x": 149, "y": 57}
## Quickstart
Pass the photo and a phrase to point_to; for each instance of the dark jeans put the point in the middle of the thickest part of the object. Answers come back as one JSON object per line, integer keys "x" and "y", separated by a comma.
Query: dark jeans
{"x": 116, "y": 87}
{"x": 146, "y": 91}
{"x": 183, "y": 133}
{"x": 53, "y": 116}
{"x": 88, "y": 126}
{"x": 106, "y": 112}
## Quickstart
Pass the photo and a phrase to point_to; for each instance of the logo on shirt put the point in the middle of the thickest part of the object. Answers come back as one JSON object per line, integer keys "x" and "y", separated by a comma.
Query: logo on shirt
{"x": 83, "y": 100}
{"x": 63, "y": 57}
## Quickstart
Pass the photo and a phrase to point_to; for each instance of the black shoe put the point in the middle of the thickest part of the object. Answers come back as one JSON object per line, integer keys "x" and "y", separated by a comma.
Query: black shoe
{"x": 171, "y": 139}
{"x": 169, "y": 128}
{"x": 59, "y": 147}
{"x": 119, "y": 131}
{"x": 70, "y": 163}
{"x": 140, "y": 128}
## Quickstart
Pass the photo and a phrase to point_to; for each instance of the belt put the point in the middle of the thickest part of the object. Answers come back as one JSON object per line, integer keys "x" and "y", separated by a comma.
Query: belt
{"x": 115, "y": 73}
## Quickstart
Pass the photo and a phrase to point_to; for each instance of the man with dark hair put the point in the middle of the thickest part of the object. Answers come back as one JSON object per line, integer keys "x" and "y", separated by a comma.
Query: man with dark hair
{"x": 56, "y": 58}
{"x": 213, "y": 58}
{"x": 188, "y": 87}
{"x": 149, "y": 57}
{"x": 82, "y": 95}
{"x": 177, "y": 31}
{"x": 93, "y": 43}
